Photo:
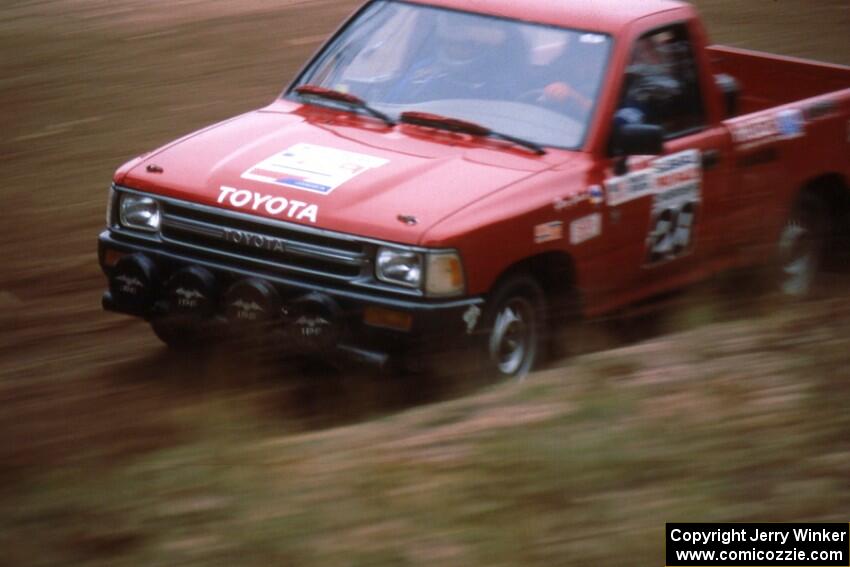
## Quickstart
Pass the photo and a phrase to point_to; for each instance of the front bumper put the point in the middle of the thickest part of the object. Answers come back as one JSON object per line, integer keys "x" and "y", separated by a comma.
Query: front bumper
{"x": 429, "y": 321}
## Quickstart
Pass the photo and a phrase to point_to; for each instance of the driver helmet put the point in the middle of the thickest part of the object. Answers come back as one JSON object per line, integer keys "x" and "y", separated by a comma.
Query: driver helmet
{"x": 651, "y": 73}
{"x": 464, "y": 42}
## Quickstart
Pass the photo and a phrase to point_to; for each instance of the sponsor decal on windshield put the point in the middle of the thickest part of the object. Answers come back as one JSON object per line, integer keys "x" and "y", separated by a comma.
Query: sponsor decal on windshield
{"x": 317, "y": 169}
{"x": 592, "y": 38}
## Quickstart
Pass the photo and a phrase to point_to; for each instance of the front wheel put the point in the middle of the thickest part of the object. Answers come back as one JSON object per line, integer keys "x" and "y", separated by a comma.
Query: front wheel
{"x": 516, "y": 328}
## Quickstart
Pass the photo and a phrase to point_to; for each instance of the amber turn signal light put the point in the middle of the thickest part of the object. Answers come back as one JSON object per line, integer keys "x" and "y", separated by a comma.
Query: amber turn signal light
{"x": 111, "y": 257}
{"x": 388, "y": 319}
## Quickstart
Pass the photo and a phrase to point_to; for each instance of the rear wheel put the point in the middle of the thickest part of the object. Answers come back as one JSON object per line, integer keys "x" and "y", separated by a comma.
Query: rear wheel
{"x": 516, "y": 328}
{"x": 802, "y": 248}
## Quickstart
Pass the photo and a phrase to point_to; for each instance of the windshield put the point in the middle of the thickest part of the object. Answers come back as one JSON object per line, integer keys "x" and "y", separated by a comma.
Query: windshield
{"x": 531, "y": 81}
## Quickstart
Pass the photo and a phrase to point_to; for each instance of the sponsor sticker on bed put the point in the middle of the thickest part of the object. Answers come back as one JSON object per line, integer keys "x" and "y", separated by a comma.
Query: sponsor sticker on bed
{"x": 317, "y": 169}
{"x": 785, "y": 124}
{"x": 791, "y": 122}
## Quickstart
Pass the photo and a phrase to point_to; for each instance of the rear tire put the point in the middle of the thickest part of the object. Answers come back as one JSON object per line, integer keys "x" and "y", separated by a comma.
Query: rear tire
{"x": 802, "y": 248}
{"x": 515, "y": 324}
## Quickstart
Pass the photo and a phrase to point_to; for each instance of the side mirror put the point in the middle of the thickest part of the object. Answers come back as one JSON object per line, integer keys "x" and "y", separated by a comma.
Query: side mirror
{"x": 639, "y": 140}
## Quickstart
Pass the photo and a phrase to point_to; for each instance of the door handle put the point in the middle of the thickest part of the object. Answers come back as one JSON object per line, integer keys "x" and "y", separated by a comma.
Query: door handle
{"x": 710, "y": 159}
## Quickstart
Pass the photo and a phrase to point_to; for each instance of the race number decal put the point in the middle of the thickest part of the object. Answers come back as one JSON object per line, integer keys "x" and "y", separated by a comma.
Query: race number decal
{"x": 674, "y": 184}
{"x": 677, "y": 180}
{"x": 672, "y": 233}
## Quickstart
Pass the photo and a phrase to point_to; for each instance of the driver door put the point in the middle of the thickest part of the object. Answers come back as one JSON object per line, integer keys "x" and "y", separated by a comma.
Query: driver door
{"x": 664, "y": 210}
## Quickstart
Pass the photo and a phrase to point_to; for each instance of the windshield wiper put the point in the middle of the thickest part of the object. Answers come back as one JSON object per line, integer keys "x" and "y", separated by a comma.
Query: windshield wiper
{"x": 350, "y": 100}
{"x": 429, "y": 120}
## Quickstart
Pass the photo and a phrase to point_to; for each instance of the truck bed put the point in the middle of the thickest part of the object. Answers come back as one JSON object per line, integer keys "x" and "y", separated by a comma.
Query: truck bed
{"x": 768, "y": 80}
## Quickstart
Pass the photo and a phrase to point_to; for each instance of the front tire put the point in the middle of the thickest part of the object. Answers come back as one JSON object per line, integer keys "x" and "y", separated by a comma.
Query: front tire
{"x": 516, "y": 328}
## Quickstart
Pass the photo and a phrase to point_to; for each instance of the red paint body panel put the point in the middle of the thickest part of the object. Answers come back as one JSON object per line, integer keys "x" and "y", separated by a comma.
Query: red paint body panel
{"x": 485, "y": 198}
{"x": 606, "y": 16}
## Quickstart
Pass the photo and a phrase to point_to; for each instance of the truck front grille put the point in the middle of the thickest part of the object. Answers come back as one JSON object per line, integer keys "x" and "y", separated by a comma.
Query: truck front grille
{"x": 266, "y": 244}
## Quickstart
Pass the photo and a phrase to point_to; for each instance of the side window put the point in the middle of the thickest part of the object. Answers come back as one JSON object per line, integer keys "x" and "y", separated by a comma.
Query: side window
{"x": 662, "y": 83}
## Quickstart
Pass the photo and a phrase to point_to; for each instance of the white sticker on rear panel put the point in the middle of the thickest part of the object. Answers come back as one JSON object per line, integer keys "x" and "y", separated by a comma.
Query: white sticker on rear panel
{"x": 317, "y": 169}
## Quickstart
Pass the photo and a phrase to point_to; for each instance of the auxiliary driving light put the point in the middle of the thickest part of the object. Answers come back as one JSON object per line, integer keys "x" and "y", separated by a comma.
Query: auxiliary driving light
{"x": 132, "y": 284}
{"x": 313, "y": 322}
{"x": 192, "y": 292}
{"x": 251, "y": 301}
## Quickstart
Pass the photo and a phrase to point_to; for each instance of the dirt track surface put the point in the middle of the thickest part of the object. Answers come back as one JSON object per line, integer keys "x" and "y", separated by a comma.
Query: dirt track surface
{"x": 88, "y": 84}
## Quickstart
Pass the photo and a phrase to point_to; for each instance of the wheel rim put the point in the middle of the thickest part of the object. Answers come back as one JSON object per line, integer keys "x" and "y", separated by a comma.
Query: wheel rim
{"x": 799, "y": 259}
{"x": 512, "y": 338}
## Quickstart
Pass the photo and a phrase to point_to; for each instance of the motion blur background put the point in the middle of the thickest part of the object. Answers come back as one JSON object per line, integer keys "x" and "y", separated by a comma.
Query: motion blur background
{"x": 115, "y": 452}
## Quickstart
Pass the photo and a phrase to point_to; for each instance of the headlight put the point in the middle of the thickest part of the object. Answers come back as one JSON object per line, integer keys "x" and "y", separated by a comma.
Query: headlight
{"x": 139, "y": 213}
{"x": 399, "y": 267}
{"x": 444, "y": 275}
{"x": 443, "y": 271}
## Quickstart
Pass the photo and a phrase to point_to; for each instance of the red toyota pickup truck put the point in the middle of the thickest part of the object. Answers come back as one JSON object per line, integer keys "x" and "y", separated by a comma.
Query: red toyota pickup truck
{"x": 484, "y": 171}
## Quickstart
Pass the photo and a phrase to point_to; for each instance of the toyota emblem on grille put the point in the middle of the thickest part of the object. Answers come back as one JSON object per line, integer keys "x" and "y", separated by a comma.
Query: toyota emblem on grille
{"x": 253, "y": 240}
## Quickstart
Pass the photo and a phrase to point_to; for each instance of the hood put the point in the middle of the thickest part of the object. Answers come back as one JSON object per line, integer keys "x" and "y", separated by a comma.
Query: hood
{"x": 332, "y": 170}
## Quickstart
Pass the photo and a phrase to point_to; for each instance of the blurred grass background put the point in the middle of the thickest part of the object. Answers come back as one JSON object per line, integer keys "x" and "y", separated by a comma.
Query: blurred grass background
{"x": 115, "y": 452}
